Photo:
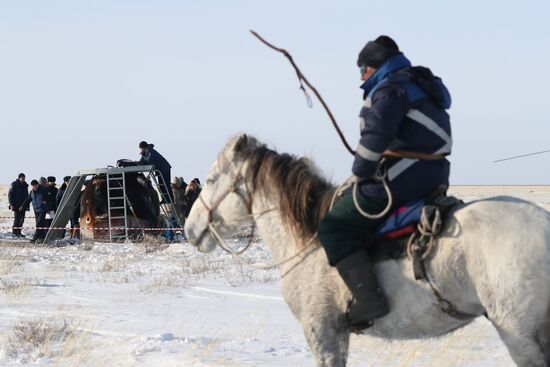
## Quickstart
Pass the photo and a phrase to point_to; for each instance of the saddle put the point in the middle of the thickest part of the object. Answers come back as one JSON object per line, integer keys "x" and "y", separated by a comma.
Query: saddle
{"x": 398, "y": 232}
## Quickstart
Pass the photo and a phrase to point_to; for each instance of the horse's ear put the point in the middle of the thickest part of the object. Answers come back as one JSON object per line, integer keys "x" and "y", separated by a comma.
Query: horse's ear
{"x": 241, "y": 144}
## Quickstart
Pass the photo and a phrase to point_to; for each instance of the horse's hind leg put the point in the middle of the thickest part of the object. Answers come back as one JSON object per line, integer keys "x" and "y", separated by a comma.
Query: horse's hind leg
{"x": 524, "y": 342}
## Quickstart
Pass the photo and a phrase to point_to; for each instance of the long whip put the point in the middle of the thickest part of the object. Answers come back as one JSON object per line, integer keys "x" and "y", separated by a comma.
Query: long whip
{"x": 302, "y": 78}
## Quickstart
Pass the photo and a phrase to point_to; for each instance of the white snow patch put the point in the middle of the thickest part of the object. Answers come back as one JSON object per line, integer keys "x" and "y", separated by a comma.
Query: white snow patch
{"x": 177, "y": 307}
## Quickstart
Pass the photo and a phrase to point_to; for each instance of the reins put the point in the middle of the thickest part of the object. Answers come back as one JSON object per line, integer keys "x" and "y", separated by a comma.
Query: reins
{"x": 354, "y": 185}
{"x": 222, "y": 243}
{"x": 211, "y": 224}
{"x": 282, "y": 262}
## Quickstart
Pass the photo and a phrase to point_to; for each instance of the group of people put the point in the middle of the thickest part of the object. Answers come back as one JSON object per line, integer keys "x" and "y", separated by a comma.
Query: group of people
{"x": 45, "y": 198}
{"x": 184, "y": 195}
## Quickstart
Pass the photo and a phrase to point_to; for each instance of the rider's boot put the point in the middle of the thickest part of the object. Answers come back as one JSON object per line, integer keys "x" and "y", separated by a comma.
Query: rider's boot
{"x": 368, "y": 301}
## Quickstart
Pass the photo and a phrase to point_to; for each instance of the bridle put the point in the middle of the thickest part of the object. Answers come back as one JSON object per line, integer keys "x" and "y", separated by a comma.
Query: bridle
{"x": 211, "y": 225}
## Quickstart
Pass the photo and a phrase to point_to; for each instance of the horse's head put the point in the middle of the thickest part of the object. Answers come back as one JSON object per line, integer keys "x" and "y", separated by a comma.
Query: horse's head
{"x": 224, "y": 204}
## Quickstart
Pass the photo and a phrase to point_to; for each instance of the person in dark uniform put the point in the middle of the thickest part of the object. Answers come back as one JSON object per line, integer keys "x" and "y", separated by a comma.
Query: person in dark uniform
{"x": 19, "y": 190}
{"x": 75, "y": 215}
{"x": 52, "y": 204}
{"x": 403, "y": 116}
{"x": 39, "y": 198}
{"x": 150, "y": 156}
{"x": 191, "y": 194}
{"x": 61, "y": 190}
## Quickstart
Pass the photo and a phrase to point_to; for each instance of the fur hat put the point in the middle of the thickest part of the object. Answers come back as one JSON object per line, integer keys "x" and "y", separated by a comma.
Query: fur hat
{"x": 34, "y": 182}
{"x": 143, "y": 144}
{"x": 66, "y": 178}
{"x": 376, "y": 52}
{"x": 51, "y": 178}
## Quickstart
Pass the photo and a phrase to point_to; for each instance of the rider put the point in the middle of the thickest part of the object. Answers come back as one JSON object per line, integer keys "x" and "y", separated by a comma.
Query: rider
{"x": 405, "y": 136}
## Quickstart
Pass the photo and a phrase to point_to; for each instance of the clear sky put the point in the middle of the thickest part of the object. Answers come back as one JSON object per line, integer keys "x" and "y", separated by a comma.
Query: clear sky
{"x": 82, "y": 82}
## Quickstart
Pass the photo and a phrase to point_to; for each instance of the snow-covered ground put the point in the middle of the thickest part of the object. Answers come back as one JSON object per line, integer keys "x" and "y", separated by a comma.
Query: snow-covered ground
{"x": 148, "y": 305}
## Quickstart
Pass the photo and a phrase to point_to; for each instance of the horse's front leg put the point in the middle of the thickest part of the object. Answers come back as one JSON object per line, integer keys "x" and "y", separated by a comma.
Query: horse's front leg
{"x": 328, "y": 339}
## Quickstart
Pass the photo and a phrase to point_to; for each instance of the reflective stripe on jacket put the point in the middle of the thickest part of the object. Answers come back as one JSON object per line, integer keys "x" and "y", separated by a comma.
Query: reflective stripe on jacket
{"x": 404, "y": 109}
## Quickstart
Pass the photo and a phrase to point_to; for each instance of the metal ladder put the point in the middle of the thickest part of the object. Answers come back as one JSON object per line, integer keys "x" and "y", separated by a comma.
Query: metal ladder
{"x": 116, "y": 202}
{"x": 168, "y": 209}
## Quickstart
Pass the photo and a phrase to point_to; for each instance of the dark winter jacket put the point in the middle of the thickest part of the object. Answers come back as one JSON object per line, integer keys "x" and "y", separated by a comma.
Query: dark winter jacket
{"x": 52, "y": 197}
{"x": 151, "y": 156}
{"x": 18, "y": 193}
{"x": 59, "y": 194}
{"x": 39, "y": 199}
{"x": 59, "y": 197}
{"x": 188, "y": 201}
{"x": 404, "y": 110}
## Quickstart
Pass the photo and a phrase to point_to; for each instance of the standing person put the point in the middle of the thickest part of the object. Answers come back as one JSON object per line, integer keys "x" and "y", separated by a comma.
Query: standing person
{"x": 52, "y": 188}
{"x": 75, "y": 218}
{"x": 43, "y": 182}
{"x": 52, "y": 195}
{"x": 183, "y": 185}
{"x": 199, "y": 186}
{"x": 191, "y": 195}
{"x": 39, "y": 199}
{"x": 405, "y": 132}
{"x": 19, "y": 190}
{"x": 61, "y": 191}
{"x": 59, "y": 197}
{"x": 179, "y": 195}
{"x": 150, "y": 156}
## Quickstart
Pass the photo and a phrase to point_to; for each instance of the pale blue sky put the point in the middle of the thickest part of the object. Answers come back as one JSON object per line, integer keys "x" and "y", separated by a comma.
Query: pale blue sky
{"x": 82, "y": 82}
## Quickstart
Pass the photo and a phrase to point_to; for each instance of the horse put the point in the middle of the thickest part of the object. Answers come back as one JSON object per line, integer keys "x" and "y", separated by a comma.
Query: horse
{"x": 492, "y": 257}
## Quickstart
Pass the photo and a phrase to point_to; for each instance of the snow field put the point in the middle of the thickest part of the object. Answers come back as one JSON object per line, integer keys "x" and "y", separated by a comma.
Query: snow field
{"x": 99, "y": 304}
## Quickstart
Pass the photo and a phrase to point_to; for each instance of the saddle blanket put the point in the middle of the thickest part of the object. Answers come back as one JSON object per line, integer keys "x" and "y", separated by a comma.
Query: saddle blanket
{"x": 402, "y": 221}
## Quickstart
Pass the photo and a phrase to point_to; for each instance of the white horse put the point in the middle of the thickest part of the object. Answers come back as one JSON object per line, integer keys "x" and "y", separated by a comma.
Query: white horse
{"x": 492, "y": 258}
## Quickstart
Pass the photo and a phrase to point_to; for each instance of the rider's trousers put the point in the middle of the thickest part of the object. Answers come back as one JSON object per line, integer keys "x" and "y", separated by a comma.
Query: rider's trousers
{"x": 344, "y": 231}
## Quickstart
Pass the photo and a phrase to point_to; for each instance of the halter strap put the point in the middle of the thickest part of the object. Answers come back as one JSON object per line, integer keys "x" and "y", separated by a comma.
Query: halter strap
{"x": 211, "y": 228}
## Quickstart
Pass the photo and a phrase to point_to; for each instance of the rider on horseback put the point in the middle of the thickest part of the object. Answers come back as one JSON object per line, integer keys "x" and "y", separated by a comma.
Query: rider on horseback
{"x": 405, "y": 136}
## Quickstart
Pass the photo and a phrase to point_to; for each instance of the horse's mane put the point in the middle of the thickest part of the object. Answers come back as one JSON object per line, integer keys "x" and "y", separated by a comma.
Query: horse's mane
{"x": 304, "y": 196}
